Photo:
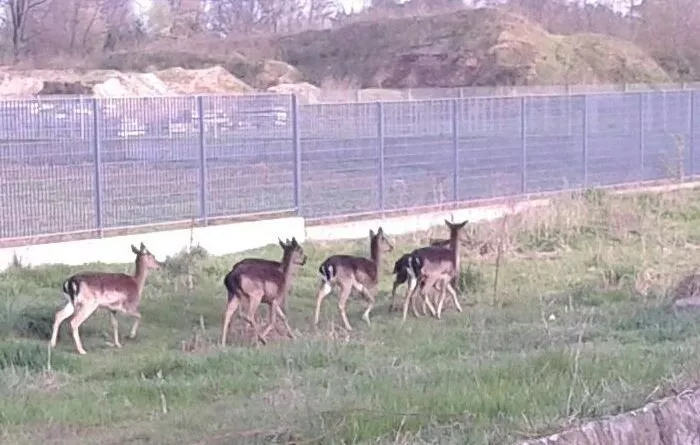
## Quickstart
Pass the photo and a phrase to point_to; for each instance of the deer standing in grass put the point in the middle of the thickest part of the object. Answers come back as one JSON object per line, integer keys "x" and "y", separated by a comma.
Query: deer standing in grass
{"x": 353, "y": 272}
{"x": 436, "y": 265}
{"x": 117, "y": 292}
{"x": 262, "y": 281}
{"x": 402, "y": 275}
{"x": 286, "y": 249}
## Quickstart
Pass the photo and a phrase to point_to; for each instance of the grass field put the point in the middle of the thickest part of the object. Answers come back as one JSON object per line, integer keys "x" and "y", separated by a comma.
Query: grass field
{"x": 578, "y": 326}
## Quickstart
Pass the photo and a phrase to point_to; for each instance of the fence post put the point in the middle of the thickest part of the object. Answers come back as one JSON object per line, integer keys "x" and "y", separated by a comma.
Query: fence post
{"x": 585, "y": 141}
{"x": 203, "y": 211}
{"x": 642, "y": 123}
{"x": 380, "y": 140}
{"x": 296, "y": 148}
{"x": 455, "y": 149}
{"x": 691, "y": 133}
{"x": 523, "y": 144}
{"x": 97, "y": 154}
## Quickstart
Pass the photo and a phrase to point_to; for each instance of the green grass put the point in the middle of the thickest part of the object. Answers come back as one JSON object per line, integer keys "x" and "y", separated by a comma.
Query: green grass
{"x": 579, "y": 327}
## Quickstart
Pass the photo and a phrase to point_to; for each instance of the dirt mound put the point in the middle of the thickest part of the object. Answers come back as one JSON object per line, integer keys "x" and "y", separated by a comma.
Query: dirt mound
{"x": 110, "y": 83}
{"x": 206, "y": 80}
{"x": 470, "y": 47}
{"x": 257, "y": 72}
{"x": 307, "y": 93}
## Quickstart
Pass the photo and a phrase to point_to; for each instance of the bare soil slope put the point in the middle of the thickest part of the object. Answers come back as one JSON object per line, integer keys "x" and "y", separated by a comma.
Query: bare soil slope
{"x": 470, "y": 47}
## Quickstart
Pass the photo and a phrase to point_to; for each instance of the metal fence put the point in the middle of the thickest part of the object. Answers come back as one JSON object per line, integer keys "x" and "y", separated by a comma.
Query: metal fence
{"x": 84, "y": 164}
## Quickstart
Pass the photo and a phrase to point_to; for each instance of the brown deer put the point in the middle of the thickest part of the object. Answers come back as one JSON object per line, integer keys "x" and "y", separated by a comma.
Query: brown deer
{"x": 286, "y": 246}
{"x": 436, "y": 265}
{"x": 353, "y": 272}
{"x": 400, "y": 270}
{"x": 116, "y": 292}
{"x": 260, "y": 281}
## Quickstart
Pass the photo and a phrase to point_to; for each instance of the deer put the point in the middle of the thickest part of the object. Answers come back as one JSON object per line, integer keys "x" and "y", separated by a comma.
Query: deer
{"x": 350, "y": 273}
{"x": 285, "y": 245}
{"x": 400, "y": 270}
{"x": 117, "y": 292}
{"x": 436, "y": 265}
{"x": 262, "y": 281}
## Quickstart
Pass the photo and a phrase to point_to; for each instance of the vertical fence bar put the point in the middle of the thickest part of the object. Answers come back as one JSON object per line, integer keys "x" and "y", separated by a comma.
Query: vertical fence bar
{"x": 455, "y": 149}
{"x": 380, "y": 142}
{"x": 97, "y": 154}
{"x": 585, "y": 141}
{"x": 523, "y": 144}
{"x": 691, "y": 133}
{"x": 296, "y": 148}
{"x": 642, "y": 123}
{"x": 203, "y": 211}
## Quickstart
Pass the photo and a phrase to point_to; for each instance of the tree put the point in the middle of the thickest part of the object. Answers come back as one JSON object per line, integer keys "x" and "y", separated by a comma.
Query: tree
{"x": 20, "y": 12}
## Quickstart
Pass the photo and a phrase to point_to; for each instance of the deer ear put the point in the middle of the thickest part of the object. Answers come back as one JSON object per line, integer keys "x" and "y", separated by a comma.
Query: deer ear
{"x": 143, "y": 247}
{"x": 462, "y": 224}
{"x": 380, "y": 231}
{"x": 282, "y": 245}
{"x": 135, "y": 250}
{"x": 371, "y": 233}
{"x": 294, "y": 241}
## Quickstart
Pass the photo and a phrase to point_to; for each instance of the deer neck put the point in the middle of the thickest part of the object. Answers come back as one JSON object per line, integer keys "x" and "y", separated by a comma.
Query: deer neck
{"x": 288, "y": 268}
{"x": 375, "y": 254}
{"x": 455, "y": 247}
{"x": 140, "y": 274}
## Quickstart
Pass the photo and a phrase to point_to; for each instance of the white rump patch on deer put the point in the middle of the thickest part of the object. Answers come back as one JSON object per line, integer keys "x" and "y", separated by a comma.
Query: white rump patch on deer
{"x": 326, "y": 287}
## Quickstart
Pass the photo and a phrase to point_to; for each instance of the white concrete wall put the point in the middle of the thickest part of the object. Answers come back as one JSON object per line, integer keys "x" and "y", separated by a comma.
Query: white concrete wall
{"x": 217, "y": 240}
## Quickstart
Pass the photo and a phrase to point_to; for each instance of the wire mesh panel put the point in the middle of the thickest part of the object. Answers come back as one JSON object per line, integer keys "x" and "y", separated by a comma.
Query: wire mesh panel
{"x": 694, "y": 143}
{"x": 250, "y": 154}
{"x": 418, "y": 153}
{"x": 612, "y": 139}
{"x": 149, "y": 170}
{"x": 666, "y": 134}
{"x": 490, "y": 147}
{"x": 553, "y": 143}
{"x": 340, "y": 158}
{"x": 46, "y": 167}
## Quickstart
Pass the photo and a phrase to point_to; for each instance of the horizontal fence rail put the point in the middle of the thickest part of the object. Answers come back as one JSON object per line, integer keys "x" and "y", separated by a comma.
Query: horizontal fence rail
{"x": 84, "y": 164}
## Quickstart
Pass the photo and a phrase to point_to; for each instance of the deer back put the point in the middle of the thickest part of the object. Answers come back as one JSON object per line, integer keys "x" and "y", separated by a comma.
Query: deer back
{"x": 255, "y": 277}
{"x": 434, "y": 260}
{"x": 111, "y": 290}
{"x": 349, "y": 267}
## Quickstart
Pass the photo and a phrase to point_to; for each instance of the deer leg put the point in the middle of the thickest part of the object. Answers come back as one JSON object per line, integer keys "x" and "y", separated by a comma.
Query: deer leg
{"x": 443, "y": 294}
{"x": 231, "y": 308}
{"x": 137, "y": 322}
{"x": 323, "y": 292}
{"x": 342, "y": 302}
{"x": 83, "y": 313}
{"x": 412, "y": 285}
{"x": 271, "y": 324}
{"x": 253, "y": 303}
{"x": 453, "y": 293}
{"x": 427, "y": 284}
{"x": 283, "y": 316}
{"x": 392, "y": 305}
{"x": 61, "y": 315}
{"x": 115, "y": 328}
{"x": 408, "y": 297}
{"x": 369, "y": 296}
